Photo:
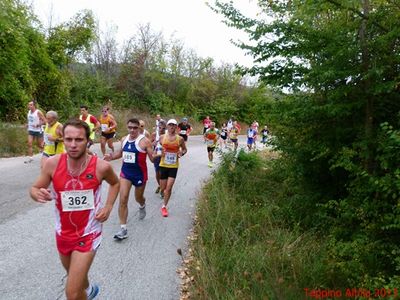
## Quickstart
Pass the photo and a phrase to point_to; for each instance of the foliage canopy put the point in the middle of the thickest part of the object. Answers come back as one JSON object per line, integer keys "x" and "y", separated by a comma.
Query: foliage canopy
{"x": 338, "y": 129}
{"x": 74, "y": 63}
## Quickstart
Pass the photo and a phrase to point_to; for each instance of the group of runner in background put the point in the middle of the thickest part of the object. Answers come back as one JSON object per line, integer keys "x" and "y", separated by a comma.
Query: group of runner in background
{"x": 48, "y": 132}
{"x": 228, "y": 134}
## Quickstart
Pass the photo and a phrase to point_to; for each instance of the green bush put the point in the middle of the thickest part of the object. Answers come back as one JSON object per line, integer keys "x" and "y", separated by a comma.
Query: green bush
{"x": 244, "y": 249}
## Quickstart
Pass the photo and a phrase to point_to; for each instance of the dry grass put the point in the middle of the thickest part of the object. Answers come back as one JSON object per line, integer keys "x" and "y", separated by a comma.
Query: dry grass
{"x": 269, "y": 154}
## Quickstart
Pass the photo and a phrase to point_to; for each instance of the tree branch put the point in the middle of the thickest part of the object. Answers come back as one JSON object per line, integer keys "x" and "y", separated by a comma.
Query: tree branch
{"x": 357, "y": 12}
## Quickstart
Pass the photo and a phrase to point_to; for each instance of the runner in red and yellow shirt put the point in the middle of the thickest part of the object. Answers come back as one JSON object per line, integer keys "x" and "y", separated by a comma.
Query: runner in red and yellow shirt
{"x": 211, "y": 138}
{"x": 173, "y": 148}
{"x": 93, "y": 124}
{"x": 108, "y": 127}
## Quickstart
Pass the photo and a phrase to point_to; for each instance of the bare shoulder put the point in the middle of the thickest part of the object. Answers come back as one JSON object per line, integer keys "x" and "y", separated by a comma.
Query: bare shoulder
{"x": 148, "y": 142}
{"x": 51, "y": 164}
{"x": 103, "y": 166}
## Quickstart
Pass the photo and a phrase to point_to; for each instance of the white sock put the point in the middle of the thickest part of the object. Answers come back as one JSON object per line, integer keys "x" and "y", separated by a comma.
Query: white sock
{"x": 141, "y": 207}
{"x": 89, "y": 289}
{"x": 123, "y": 226}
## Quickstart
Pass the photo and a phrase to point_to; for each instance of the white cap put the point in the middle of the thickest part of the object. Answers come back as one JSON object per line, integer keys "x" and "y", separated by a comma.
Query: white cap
{"x": 172, "y": 121}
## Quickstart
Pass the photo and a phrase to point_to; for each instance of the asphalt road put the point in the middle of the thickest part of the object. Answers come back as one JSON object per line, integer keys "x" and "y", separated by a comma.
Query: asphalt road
{"x": 140, "y": 267}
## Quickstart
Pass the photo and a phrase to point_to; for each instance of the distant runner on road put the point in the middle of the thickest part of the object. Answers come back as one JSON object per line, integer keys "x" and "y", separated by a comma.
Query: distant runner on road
{"x": 211, "y": 138}
{"x": 93, "y": 124}
{"x": 157, "y": 148}
{"x": 184, "y": 129}
{"x": 206, "y": 124}
{"x": 108, "y": 128}
{"x": 255, "y": 126}
{"x": 233, "y": 135}
{"x": 223, "y": 134}
{"x": 264, "y": 134}
{"x": 76, "y": 177}
{"x": 143, "y": 130}
{"x": 53, "y": 137}
{"x": 251, "y": 136}
{"x": 35, "y": 121}
{"x": 135, "y": 147}
{"x": 173, "y": 148}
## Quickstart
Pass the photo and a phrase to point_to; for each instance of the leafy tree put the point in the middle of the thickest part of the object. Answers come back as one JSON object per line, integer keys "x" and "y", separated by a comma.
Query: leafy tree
{"x": 70, "y": 39}
{"x": 74, "y": 63}
{"x": 340, "y": 61}
{"x": 33, "y": 67}
{"x": 17, "y": 81}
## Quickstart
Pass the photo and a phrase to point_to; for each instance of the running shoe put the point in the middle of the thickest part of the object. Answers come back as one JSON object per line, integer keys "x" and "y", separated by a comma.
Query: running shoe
{"x": 162, "y": 195}
{"x": 95, "y": 291}
{"x": 164, "y": 211}
{"x": 157, "y": 190}
{"x": 121, "y": 234}
{"x": 142, "y": 212}
{"x": 210, "y": 164}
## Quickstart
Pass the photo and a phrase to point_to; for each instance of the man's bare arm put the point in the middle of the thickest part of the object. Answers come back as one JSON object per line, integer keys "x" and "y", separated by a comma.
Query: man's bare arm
{"x": 39, "y": 191}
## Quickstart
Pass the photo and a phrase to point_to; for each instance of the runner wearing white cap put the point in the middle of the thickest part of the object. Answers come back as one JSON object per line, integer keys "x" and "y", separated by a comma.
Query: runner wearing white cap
{"x": 173, "y": 148}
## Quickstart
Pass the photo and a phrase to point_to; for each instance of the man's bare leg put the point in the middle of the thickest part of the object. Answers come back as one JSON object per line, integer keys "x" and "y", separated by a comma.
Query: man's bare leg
{"x": 77, "y": 266}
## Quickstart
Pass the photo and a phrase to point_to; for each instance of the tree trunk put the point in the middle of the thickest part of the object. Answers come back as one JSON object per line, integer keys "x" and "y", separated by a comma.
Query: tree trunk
{"x": 369, "y": 101}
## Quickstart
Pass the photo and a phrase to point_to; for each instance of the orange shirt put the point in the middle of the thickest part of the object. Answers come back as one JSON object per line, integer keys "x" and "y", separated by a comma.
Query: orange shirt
{"x": 169, "y": 158}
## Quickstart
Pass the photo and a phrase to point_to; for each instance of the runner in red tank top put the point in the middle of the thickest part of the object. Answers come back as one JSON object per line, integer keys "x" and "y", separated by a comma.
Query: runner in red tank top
{"x": 76, "y": 178}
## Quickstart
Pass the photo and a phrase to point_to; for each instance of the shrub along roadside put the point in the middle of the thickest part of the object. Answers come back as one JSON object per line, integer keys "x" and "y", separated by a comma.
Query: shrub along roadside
{"x": 244, "y": 249}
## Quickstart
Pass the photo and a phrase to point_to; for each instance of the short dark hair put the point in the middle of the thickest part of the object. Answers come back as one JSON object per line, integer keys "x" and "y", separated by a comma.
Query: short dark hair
{"x": 85, "y": 107}
{"x": 134, "y": 121}
{"x": 78, "y": 124}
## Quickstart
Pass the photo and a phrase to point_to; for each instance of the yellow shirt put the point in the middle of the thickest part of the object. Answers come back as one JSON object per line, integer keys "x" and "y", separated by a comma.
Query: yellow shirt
{"x": 233, "y": 134}
{"x": 52, "y": 147}
{"x": 91, "y": 125}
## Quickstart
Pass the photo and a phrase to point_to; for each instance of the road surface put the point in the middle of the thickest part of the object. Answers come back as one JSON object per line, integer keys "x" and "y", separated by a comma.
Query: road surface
{"x": 140, "y": 267}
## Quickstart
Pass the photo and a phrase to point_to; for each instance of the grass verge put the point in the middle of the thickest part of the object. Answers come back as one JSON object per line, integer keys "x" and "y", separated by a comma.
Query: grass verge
{"x": 242, "y": 249}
